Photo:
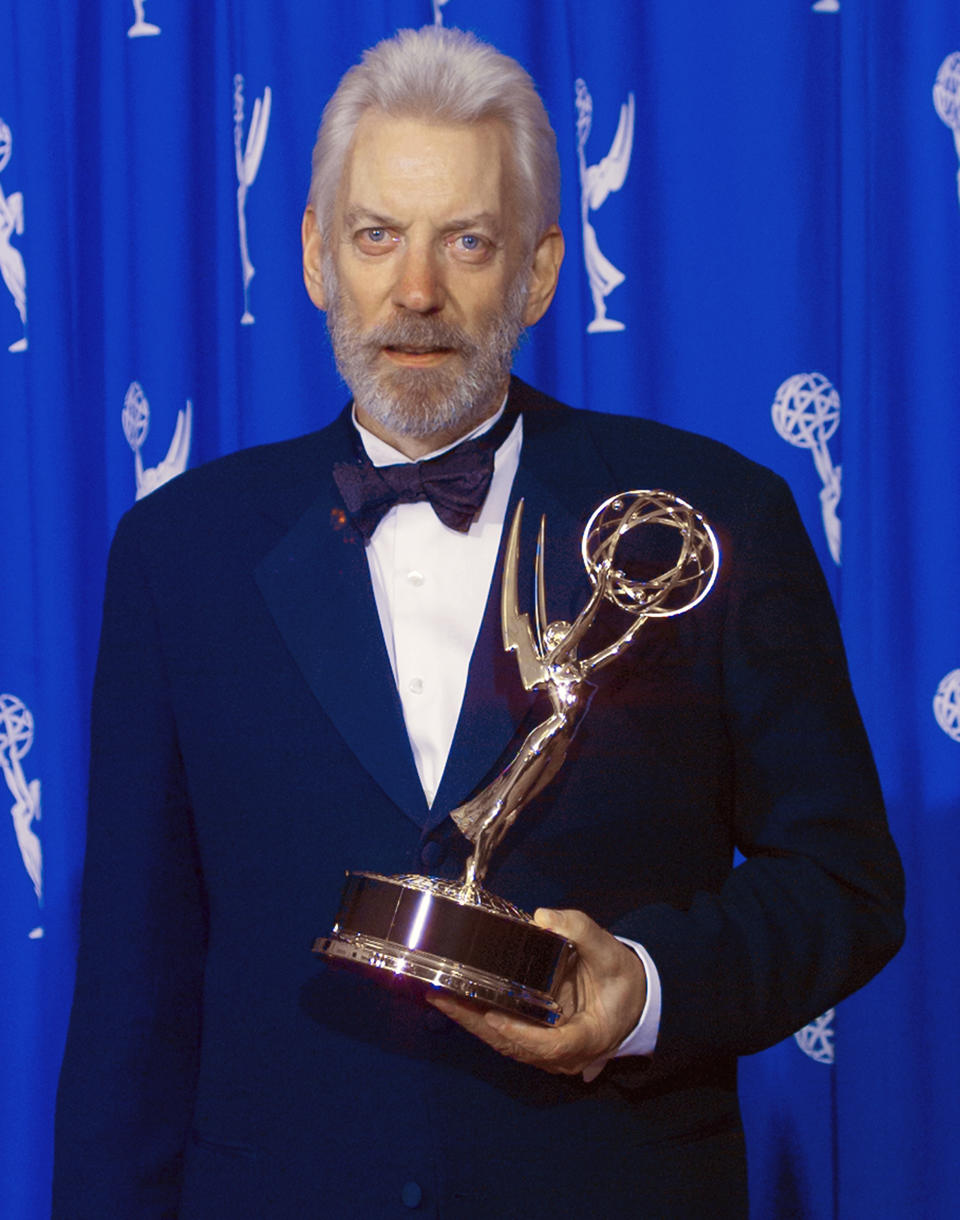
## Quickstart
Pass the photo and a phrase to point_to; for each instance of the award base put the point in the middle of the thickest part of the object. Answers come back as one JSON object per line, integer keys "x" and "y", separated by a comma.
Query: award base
{"x": 423, "y": 928}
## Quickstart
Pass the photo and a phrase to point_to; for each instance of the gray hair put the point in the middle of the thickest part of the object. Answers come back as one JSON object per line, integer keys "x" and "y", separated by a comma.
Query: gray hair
{"x": 443, "y": 75}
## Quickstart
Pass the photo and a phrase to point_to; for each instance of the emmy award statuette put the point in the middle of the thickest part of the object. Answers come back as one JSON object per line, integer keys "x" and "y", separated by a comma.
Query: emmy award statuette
{"x": 456, "y": 935}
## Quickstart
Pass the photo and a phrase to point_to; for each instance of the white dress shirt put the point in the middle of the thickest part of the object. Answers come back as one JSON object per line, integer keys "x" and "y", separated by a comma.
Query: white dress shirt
{"x": 431, "y": 585}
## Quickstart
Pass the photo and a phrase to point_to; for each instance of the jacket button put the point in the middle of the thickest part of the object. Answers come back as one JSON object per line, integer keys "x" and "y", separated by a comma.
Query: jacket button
{"x": 411, "y": 1194}
{"x": 432, "y": 854}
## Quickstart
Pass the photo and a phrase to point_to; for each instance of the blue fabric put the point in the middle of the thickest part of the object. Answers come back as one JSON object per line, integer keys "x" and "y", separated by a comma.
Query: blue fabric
{"x": 789, "y": 207}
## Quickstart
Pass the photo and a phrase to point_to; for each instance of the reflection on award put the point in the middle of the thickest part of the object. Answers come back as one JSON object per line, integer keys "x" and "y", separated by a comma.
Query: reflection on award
{"x": 455, "y": 934}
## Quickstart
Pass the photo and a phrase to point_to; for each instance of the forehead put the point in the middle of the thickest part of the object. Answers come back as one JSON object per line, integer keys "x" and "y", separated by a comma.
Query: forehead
{"x": 399, "y": 165}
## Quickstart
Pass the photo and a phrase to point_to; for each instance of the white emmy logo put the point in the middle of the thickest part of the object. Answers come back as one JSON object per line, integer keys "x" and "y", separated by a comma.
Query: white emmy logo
{"x": 806, "y": 412}
{"x": 141, "y": 28}
{"x": 946, "y": 704}
{"x": 248, "y": 162}
{"x": 946, "y": 99}
{"x": 136, "y": 424}
{"x": 596, "y": 183}
{"x": 16, "y": 738}
{"x": 11, "y": 260}
{"x": 437, "y": 15}
{"x": 816, "y": 1039}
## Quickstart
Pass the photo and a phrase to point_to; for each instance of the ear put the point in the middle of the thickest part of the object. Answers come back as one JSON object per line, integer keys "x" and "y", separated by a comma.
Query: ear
{"x": 544, "y": 273}
{"x": 312, "y": 242}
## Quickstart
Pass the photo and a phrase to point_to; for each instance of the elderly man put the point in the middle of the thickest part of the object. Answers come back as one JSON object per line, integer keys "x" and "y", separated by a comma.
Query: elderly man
{"x": 301, "y": 671}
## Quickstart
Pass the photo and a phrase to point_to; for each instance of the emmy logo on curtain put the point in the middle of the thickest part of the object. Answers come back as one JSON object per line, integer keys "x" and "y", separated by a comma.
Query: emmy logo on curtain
{"x": 816, "y": 1039}
{"x": 806, "y": 413}
{"x": 16, "y": 738}
{"x": 946, "y": 99}
{"x": 141, "y": 28}
{"x": 596, "y": 183}
{"x": 248, "y": 162}
{"x": 11, "y": 224}
{"x": 946, "y": 705}
{"x": 136, "y": 425}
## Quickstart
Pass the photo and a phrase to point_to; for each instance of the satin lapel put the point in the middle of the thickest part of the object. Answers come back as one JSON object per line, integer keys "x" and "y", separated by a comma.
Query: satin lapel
{"x": 562, "y": 477}
{"x": 317, "y": 587}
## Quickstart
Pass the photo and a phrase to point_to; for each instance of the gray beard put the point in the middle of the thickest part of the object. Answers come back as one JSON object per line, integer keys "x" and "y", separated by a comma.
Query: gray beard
{"x": 419, "y": 402}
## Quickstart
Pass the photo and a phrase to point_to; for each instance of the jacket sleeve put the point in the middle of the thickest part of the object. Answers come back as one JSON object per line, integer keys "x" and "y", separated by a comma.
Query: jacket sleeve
{"x": 127, "y": 1082}
{"x": 815, "y": 909}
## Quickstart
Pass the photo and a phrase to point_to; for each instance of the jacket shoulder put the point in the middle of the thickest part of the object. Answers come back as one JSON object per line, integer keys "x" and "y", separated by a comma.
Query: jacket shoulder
{"x": 279, "y": 480}
{"x": 633, "y": 447}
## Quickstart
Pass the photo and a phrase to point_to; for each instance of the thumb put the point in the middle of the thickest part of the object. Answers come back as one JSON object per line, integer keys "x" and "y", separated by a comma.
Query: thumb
{"x": 594, "y": 945}
{"x": 574, "y": 925}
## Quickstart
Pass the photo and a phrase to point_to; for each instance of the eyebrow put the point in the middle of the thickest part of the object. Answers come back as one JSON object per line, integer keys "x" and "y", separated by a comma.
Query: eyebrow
{"x": 480, "y": 220}
{"x": 357, "y": 213}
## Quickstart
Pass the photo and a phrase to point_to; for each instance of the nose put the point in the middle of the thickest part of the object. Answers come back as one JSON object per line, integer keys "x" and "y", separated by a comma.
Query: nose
{"x": 419, "y": 286}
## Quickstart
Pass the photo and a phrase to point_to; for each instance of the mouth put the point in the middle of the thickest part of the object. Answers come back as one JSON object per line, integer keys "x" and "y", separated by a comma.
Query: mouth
{"x": 417, "y": 356}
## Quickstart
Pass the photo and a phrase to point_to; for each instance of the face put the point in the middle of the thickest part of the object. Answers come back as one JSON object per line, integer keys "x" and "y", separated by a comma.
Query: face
{"x": 425, "y": 282}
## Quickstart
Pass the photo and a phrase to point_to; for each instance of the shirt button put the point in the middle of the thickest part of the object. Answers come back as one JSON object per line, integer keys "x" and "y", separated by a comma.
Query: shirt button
{"x": 415, "y": 578}
{"x": 411, "y": 1194}
{"x": 415, "y": 686}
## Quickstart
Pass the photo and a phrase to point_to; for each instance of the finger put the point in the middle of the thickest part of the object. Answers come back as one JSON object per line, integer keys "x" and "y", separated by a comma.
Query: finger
{"x": 552, "y": 1048}
{"x": 495, "y": 1028}
{"x": 576, "y": 926}
{"x": 479, "y": 1021}
{"x": 465, "y": 1013}
{"x": 565, "y": 1048}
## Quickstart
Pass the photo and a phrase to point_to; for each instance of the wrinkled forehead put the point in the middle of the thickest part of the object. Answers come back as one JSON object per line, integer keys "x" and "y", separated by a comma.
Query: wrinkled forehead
{"x": 400, "y": 166}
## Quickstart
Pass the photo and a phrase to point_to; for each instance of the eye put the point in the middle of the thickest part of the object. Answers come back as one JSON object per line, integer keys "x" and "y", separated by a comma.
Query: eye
{"x": 471, "y": 247}
{"x": 375, "y": 240}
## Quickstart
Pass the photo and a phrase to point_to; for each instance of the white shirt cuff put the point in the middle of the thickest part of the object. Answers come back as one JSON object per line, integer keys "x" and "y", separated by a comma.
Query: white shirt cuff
{"x": 642, "y": 1039}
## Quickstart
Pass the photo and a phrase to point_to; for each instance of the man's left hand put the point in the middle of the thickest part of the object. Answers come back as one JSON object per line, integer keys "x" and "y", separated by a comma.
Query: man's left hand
{"x": 602, "y": 998}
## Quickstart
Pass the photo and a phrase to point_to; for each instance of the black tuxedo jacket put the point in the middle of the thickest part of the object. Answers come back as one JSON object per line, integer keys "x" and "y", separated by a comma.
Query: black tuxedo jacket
{"x": 248, "y": 746}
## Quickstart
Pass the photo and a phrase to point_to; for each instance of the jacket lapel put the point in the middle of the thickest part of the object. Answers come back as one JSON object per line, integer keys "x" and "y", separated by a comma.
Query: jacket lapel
{"x": 316, "y": 584}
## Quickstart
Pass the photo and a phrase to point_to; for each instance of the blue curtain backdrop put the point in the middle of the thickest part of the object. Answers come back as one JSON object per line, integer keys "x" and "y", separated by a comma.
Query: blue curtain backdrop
{"x": 763, "y": 223}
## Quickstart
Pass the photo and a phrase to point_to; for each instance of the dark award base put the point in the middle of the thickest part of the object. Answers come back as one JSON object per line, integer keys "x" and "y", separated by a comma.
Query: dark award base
{"x": 422, "y": 928}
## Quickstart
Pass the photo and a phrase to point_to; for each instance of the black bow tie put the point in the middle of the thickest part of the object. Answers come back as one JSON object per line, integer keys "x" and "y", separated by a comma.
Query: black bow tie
{"x": 456, "y": 483}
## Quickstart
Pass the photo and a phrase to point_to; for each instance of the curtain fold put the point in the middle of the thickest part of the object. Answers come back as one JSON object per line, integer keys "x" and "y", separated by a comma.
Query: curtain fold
{"x": 762, "y": 218}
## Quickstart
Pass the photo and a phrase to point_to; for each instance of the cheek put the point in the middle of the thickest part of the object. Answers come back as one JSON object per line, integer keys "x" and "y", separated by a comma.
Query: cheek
{"x": 362, "y": 311}
{"x": 479, "y": 296}
{"x": 364, "y": 289}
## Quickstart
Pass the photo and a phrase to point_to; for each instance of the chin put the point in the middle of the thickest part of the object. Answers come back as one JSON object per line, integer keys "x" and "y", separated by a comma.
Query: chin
{"x": 421, "y": 403}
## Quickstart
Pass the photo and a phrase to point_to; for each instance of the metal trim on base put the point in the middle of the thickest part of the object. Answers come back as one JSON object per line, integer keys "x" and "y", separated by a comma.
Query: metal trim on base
{"x": 418, "y": 928}
{"x": 370, "y": 952}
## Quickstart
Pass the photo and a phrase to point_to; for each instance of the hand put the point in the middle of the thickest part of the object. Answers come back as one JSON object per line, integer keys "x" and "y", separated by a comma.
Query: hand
{"x": 602, "y": 998}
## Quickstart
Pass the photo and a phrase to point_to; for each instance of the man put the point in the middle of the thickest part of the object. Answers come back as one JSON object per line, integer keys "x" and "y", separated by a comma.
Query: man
{"x": 297, "y": 678}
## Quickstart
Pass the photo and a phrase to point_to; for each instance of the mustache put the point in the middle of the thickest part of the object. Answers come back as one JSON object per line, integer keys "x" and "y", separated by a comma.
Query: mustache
{"x": 412, "y": 330}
